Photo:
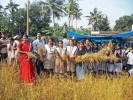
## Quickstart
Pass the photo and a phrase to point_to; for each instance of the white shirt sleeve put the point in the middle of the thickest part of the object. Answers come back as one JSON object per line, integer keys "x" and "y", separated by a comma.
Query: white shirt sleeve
{"x": 34, "y": 46}
{"x": 128, "y": 55}
{"x": 8, "y": 46}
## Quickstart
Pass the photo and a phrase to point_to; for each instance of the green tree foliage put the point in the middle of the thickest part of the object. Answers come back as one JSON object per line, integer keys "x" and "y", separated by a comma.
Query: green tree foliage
{"x": 104, "y": 24}
{"x": 83, "y": 31}
{"x": 77, "y": 15}
{"x": 20, "y": 19}
{"x": 55, "y": 7}
{"x": 37, "y": 21}
{"x": 12, "y": 7}
{"x": 71, "y": 7}
{"x": 124, "y": 23}
{"x": 95, "y": 19}
{"x": 1, "y": 17}
{"x": 5, "y": 24}
{"x": 49, "y": 31}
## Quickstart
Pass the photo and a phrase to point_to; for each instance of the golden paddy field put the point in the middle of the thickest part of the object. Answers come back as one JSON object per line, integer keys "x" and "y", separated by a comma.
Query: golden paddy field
{"x": 59, "y": 88}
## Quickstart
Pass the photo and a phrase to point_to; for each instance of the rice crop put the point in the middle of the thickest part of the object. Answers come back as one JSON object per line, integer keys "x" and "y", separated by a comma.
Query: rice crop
{"x": 63, "y": 88}
{"x": 92, "y": 58}
{"x": 31, "y": 55}
{"x": 41, "y": 52}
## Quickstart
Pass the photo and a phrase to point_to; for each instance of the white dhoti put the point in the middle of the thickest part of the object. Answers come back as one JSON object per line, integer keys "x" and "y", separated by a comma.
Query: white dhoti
{"x": 103, "y": 64}
{"x": 80, "y": 71}
{"x": 90, "y": 67}
{"x": 131, "y": 72}
{"x": 118, "y": 67}
{"x": 96, "y": 66}
{"x": 99, "y": 67}
{"x": 110, "y": 67}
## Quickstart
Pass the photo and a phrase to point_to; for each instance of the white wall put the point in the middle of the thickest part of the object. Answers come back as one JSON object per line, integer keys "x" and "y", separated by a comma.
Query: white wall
{"x": 95, "y": 32}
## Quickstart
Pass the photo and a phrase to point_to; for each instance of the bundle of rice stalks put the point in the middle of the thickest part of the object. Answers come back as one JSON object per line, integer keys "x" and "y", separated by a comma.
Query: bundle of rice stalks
{"x": 31, "y": 55}
{"x": 41, "y": 52}
{"x": 65, "y": 56}
{"x": 110, "y": 44}
{"x": 112, "y": 58}
{"x": 92, "y": 58}
{"x": 58, "y": 55}
{"x": 101, "y": 55}
{"x": 68, "y": 56}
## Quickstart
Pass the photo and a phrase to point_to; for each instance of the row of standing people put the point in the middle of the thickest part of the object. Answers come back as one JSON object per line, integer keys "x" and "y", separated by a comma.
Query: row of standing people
{"x": 8, "y": 48}
{"x": 53, "y": 63}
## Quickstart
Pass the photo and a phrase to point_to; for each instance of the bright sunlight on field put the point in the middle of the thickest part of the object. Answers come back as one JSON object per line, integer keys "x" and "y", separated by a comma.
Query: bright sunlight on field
{"x": 58, "y": 88}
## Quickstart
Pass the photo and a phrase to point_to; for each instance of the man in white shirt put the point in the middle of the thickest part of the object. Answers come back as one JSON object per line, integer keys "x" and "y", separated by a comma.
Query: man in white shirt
{"x": 35, "y": 44}
{"x": 130, "y": 62}
{"x": 65, "y": 41}
{"x": 126, "y": 50}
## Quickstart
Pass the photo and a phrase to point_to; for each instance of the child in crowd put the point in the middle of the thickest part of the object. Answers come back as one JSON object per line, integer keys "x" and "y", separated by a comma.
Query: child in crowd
{"x": 10, "y": 51}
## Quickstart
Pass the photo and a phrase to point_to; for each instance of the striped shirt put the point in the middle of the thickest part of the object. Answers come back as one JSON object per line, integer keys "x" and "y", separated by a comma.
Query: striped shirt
{"x": 4, "y": 42}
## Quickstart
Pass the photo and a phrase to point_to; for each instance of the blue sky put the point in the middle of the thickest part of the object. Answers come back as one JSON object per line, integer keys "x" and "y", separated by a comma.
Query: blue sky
{"x": 112, "y": 8}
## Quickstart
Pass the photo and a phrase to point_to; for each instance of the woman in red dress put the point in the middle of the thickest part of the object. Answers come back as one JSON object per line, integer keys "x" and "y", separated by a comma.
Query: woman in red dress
{"x": 26, "y": 66}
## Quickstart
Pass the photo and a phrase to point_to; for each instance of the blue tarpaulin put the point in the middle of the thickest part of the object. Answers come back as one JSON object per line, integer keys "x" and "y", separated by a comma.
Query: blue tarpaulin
{"x": 122, "y": 35}
{"x": 80, "y": 36}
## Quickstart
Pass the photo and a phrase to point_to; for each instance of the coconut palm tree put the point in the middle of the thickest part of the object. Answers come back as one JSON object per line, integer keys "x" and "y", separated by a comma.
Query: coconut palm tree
{"x": 94, "y": 18}
{"x": 12, "y": 7}
{"x": 1, "y": 17}
{"x": 1, "y": 8}
{"x": 55, "y": 7}
{"x": 71, "y": 7}
{"x": 77, "y": 15}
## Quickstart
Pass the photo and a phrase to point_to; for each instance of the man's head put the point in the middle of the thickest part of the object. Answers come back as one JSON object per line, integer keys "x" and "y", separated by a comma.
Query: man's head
{"x": 50, "y": 41}
{"x": 39, "y": 35}
{"x": 88, "y": 42}
{"x": 125, "y": 47}
{"x": 131, "y": 49}
{"x": 103, "y": 44}
{"x": 3, "y": 35}
{"x": 64, "y": 36}
{"x": 71, "y": 42}
{"x": 0, "y": 34}
{"x": 118, "y": 46}
{"x": 19, "y": 38}
{"x": 11, "y": 40}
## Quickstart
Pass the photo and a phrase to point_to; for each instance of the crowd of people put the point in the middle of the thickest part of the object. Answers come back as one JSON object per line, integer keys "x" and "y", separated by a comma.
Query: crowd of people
{"x": 15, "y": 50}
